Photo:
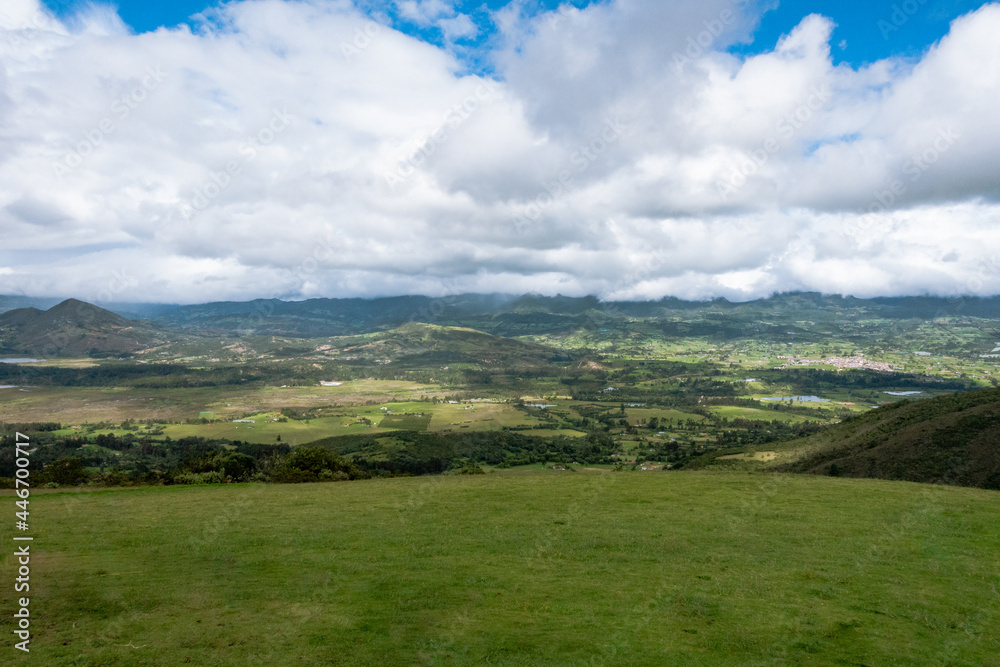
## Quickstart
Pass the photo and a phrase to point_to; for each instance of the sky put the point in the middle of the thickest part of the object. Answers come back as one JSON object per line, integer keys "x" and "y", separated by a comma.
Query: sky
{"x": 186, "y": 152}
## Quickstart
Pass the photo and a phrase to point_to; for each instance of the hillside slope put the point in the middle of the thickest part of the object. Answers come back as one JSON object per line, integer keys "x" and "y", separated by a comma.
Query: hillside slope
{"x": 416, "y": 344}
{"x": 946, "y": 440}
{"x": 72, "y": 327}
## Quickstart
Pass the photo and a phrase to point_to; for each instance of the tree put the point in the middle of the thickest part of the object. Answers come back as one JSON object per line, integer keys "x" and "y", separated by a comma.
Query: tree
{"x": 66, "y": 472}
{"x": 311, "y": 464}
{"x": 233, "y": 466}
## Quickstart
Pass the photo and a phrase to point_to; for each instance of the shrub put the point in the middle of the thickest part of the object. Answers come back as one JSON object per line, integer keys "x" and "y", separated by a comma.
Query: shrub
{"x": 211, "y": 477}
{"x": 313, "y": 464}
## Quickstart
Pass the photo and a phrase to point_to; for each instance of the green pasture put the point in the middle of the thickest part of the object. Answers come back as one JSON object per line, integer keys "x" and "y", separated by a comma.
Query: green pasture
{"x": 735, "y": 412}
{"x": 545, "y": 568}
{"x": 78, "y": 405}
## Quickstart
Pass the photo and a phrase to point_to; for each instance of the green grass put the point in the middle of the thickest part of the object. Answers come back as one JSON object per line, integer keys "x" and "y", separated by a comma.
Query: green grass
{"x": 663, "y": 415}
{"x": 545, "y": 568}
{"x": 405, "y": 422}
{"x": 450, "y": 416}
{"x": 733, "y": 412}
{"x": 293, "y": 432}
{"x": 550, "y": 432}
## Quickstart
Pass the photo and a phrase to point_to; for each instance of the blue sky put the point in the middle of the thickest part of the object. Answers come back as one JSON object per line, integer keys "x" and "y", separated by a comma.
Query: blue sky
{"x": 298, "y": 150}
{"x": 866, "y": 31}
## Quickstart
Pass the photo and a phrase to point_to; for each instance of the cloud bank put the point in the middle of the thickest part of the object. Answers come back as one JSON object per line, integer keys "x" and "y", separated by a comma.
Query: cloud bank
{"x": 303, "y": 149}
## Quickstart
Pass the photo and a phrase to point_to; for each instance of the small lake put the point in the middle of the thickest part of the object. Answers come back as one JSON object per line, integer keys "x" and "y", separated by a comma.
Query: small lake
{"x": 18, "y": 361}
{"x": 902, "y": 393}
{"x": 804, "y": 399}
{"x": 8, "y": 386}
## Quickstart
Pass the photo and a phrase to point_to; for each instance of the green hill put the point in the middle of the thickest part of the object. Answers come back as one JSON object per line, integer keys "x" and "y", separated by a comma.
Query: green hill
{"x": 72, "y": 327}
{"x": 420, "y": 345}
{"x": 946, "y": 440}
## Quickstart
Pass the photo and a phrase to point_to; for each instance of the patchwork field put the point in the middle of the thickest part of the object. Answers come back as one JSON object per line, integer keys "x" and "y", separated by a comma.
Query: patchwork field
{"x": 527, "y": 567}
{"x": 732, "y": 412}
{"x": 75, "y": 405}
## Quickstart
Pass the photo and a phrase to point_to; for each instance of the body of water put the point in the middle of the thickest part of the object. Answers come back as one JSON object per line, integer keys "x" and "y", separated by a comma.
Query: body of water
{"x": 902, "y": 393}
{"x": 18, "y": 361}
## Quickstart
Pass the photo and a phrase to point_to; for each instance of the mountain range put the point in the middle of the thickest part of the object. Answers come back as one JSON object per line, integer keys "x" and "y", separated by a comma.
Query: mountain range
{"x": 75, "y": 327}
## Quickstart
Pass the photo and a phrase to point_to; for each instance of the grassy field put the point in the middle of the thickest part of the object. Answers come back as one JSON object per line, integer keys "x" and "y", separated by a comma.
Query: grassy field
{"x": 267, "y": 431}
{"x": 544, "y": 568}
{"x": 733, "y": 412}
{"x": 76, "y": 405}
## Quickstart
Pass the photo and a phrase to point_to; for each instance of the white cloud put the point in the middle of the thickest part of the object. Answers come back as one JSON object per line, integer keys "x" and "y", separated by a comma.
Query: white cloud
{"x": 298, "y": 149}
{"x": 425, "y": 12}
{"x": 459, "y": 27}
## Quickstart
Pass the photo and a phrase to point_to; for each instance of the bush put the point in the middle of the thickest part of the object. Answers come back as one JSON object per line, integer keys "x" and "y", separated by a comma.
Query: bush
{"x": 212, "y": 477}
{"x": 113, "y": 477}
{"x": 313, "y": 464}
{"x": 231, "y": 466}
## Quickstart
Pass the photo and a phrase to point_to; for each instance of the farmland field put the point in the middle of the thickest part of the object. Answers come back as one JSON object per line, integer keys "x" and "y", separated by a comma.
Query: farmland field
{"x": 523, "y": 567}
{"x": 93, "y": 404}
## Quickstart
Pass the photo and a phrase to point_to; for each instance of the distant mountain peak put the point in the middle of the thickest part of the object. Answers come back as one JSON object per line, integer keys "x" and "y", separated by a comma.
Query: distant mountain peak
{"x": 81, "y": 308}
{"x": 70, "y": 327}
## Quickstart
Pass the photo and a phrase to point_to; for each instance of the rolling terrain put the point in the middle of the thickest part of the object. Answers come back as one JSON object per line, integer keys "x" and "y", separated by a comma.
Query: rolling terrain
{"x": 419, "y": 345}
{"x": 946, "y": 440}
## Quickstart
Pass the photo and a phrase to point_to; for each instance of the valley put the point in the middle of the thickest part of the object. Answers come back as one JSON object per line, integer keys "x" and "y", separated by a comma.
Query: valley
{"x": 629, "y": 386}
